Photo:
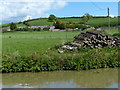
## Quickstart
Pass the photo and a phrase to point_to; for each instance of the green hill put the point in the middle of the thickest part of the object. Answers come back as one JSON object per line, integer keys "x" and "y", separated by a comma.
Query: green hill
{"x": 96, "y": 22}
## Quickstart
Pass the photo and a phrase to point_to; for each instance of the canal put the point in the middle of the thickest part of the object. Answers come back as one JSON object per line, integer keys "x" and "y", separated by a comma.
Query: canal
{"x": 97, "y": 78}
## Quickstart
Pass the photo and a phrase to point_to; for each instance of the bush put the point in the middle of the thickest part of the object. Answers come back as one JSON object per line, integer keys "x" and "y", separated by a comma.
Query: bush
{"x": 70, "y": 26}
{"x": 19, "y": 22}
{"x": 84, "y": 27}
{"x": 82, "y": 22}
{"x": 46, "y": 29}
{"x": 37, "y": 29}
{"x": 116, "y": 34}
{"x": 13, "y": 26}
{"x": 50, "y": 61}
{"x": 18, "y": 29}
{"x": 60, "y": 25}
{"x": 79, "y": 26}
{"x": 26, "y": 23}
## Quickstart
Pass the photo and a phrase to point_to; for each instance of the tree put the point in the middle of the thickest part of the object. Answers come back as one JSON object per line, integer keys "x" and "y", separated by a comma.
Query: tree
{"x": 13, "y": 26}
{"x": 86, "y": 17}
{"x": 59, "y": 24}
{"x": 52, "y": 17}
{"x": 70, "y": 26}
{"x": 46, "y": 29}
{"x": 62, "y": 25}
{"x": 26, "y": 23}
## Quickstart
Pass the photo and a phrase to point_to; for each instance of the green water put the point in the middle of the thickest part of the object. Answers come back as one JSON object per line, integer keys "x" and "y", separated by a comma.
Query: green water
{"x": 99, "y": 78}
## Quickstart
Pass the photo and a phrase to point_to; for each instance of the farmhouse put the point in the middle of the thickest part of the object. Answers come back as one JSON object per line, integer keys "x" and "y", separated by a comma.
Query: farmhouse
{"x": 69, "y": 29}
{"x": 3, "y": 29}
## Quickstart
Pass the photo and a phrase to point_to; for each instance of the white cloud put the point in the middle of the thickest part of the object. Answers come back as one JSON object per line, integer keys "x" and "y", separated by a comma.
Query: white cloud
{"x": 59, "y": 4}
{"x": 28, "y": 17}
{"x": 61, "y": 0}
{"x": 23, "y": 8}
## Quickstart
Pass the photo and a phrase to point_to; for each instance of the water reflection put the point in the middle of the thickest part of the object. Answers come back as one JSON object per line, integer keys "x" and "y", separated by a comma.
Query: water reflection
{"x": 100, "y": 78}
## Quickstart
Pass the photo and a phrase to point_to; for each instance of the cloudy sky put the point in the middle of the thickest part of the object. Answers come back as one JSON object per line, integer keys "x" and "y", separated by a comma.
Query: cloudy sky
{"x": 19, "y": 10}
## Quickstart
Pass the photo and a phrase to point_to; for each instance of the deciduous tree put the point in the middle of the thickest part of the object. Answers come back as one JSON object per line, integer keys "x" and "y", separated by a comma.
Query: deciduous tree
{"x": 13, "y": 26}
{"x": 52, "y": 17}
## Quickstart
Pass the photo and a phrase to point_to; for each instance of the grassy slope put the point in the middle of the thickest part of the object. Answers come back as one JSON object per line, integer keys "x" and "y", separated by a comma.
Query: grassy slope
{"x": 6, "y": 26}
{"x": 94, "y": 21}
{"x": 46, "y": 22}
{"x": 40, "y": 22}
{"x": 97, "y": 21}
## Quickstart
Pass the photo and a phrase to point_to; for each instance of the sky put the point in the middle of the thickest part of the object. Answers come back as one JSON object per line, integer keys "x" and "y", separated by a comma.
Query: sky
{"x": 80, "y": 8}
{"x": 20, "y": 10}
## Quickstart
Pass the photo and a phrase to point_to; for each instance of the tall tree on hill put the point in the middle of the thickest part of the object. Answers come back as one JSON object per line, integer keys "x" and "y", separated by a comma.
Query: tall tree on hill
{"x": 87, "y": 17}
{"x": 52, "y": 17}
{"x": 13, "y": 26}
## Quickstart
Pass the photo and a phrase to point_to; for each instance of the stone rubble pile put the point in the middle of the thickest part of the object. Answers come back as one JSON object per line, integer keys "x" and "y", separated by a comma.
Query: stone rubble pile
{"x": 92, "y": 40}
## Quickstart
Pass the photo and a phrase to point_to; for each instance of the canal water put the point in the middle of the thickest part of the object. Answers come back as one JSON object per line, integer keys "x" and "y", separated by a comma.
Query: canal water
{"x": 97, "y": 78}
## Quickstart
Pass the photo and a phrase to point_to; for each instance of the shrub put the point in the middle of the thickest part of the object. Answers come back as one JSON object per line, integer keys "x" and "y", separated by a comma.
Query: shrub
{"x": 70, "y": 26}
{"x": 19, "y": 22}
{"x": 79, "y": 26}
{"x": 50, "y": 61}
{"x": 46, "y": 29}
{"x": 13, "y": 26}
{"x": 84, "y": 27}
{"x": 82, "y": 22}
{"x": 26, "y": 23}
{"x": 60, "y": 25}
{"x": 37, "y": 29}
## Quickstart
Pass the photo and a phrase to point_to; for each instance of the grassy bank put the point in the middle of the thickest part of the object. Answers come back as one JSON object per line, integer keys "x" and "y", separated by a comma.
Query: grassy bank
{"x": 34, "y": 51}
{"x": 49, "y": 61}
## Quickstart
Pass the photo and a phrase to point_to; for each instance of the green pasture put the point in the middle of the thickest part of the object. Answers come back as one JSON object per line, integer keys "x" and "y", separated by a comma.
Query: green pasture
{"x": 93, "y": 22}
{"x": 28, "y": 42}
{"x": 103, "y": 21}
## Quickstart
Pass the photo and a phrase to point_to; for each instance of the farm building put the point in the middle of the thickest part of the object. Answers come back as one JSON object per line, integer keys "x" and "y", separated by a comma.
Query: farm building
{"x": 3, "y": 29}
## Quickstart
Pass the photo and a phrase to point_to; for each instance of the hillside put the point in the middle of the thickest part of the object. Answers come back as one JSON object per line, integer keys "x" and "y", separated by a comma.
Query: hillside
{"x": 96, "y": 22}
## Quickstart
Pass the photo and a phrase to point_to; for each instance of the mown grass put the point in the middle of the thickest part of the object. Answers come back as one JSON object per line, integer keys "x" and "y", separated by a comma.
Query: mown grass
{"x": 34, "y": 51}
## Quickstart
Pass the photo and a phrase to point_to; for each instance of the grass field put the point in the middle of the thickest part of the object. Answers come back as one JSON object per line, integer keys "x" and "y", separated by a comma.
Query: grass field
{"x": 100, "y": 21}
{"x": 28, "y": 42}
{"x": 92, "y": 22}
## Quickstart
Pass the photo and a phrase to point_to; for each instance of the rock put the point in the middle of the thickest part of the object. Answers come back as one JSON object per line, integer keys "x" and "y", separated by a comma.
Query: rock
{"x": 60, "y": 51}
{"x": 92, "y": 40}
